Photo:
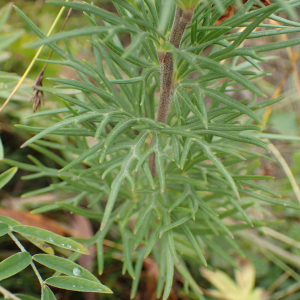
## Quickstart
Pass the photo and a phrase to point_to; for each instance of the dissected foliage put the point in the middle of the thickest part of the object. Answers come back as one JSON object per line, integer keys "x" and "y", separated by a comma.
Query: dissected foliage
{"x": 202, "y": 147}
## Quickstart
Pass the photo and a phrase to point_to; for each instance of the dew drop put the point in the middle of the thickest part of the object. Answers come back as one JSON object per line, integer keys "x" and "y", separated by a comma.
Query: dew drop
{"x": 50, "y": 239}
{"x": 62, "y": 244}
{"x": 76, "y": 271}
{"x": 69, "y": 246}
{"x": 73, "y": 285}
{"x": 284, "y": 204}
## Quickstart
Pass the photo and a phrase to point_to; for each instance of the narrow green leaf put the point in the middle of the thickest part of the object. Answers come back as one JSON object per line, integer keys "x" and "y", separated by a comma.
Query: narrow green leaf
{"x": 153, "y": 240}
{"x": 101, "y": 13}
{"x": 261, "y": 187}
{"x": 184, "y": 272}
{"x": 6, "y": 176}
{"x": 1, "y": 150}
{"x": 182, "y": 197}
{"x": 8, "y": 39}
{"x": 219, "y": 166}
{"x": 127, "y": 251}
{"x": 70, "y": 34}
{"x": 83, "y": 86}
{"x": 240, "y": 209}
{"x": 143, "y": 215}
{"x": 153, "y": 12}
{"x": 61, "y": 124}
{"x": 216, "y": 67}
{"x": 183, "y": 179}
{"x": 135, "y": 43}
{"x": 80, "y": 211}
{"x": 4, "y": 13}
{"x": 186, "y": 149}
{"x": 200, "y": 103}
{"x": 174, "y": 224}
{"x": 269, "y": 199}
{"x": 230, "y": 102}
{"x": 219, "y": 251}
{"x": 82, "y": 157}
{"x": 252, "y": 177}
{"x": 184, "y": 96}
{"x": 137, "y": 272}
{"x": 176, "y": 148}
{"x": 127, "y": 5}
{"x": 169, "y": 272}
{"x": 194, "y": 243}
{"x": 102, "y": 126}
{"x": 39, "y": 33}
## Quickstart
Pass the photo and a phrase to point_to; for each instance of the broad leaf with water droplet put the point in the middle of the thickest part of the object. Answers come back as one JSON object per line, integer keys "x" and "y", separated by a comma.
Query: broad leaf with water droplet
{"x": 77, "y": 284}
{"x": 64, "y": 266}
{"x": 51, "y": 238}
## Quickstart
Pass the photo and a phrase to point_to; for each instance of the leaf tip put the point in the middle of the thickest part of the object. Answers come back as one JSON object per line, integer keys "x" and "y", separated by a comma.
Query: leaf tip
{"x": 86, "y": 251}
{"x": 102, "y": 226}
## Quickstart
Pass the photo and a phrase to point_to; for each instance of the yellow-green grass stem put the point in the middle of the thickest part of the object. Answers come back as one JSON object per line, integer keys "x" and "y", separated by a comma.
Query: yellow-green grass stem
{"x": 33, "y": 60}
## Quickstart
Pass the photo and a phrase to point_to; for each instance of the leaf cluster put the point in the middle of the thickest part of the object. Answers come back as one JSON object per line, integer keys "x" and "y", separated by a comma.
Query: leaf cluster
{"x": 204, "y": 155}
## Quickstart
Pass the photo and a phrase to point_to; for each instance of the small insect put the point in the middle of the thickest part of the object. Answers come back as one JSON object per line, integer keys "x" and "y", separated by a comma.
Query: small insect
{"x": 38, "y": 96}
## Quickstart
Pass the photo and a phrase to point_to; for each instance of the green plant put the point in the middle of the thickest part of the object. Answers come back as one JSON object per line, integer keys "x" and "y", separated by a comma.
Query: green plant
{"x": 227, "y": 289}
{"x": 157, "y": 115}
{"x": 8, "y": 80}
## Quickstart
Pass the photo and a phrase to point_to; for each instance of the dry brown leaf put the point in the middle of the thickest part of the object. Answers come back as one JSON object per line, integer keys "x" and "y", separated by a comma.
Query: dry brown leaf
{"x": 264, "y": 2}
{"x": 228, "y": 14}
{"x": 151, "y": 275}
{"x": 82, "y": 228}
{"x": 37, "y": 220}
{"x": 230, "y": 11}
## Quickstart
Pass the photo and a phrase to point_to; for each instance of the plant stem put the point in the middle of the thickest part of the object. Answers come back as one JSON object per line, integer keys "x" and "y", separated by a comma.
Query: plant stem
{"x": 33, "y": 60}
{"x": 181, "y": 20}
{"x": 8, "y": 294}
{"x": 32, "y": 263}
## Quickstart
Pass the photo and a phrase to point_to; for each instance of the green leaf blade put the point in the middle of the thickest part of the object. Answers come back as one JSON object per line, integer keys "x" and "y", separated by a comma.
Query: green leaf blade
{"x": 50, "y": 237}
{"x": 14, "y": 264}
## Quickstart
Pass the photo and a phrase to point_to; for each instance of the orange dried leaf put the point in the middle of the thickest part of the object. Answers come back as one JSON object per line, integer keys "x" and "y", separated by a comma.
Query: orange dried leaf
{"x": 36, "y": 220}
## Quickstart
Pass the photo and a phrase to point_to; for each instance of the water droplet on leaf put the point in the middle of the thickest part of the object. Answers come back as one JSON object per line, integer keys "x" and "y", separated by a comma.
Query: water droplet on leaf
{"x": 76, "y": 271}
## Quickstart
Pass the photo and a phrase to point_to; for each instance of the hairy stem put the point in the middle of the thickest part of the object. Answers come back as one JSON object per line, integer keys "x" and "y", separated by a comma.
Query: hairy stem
{"x": 181, "y": 20}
